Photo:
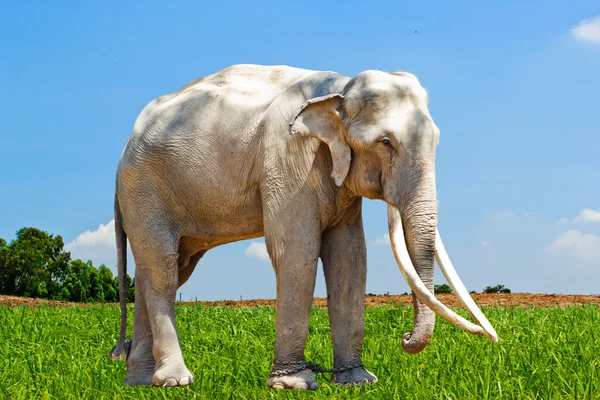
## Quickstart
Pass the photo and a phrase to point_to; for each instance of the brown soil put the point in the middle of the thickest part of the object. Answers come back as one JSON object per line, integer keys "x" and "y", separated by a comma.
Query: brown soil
{"x": 484, "y": 300}
{"x": 451, "y": 300}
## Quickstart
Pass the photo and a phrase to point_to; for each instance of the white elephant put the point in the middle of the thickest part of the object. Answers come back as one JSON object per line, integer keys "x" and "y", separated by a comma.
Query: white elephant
{"x": 288, "y": 154}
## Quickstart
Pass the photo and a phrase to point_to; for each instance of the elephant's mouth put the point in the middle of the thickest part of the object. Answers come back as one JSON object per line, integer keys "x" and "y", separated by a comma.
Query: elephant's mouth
{"x": 397, "y": 239}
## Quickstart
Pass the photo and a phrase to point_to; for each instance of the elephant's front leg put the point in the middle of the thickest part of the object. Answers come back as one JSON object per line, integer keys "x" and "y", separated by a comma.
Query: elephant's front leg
{"x": 294, "y": 250}
{"x": 344, "y": 256}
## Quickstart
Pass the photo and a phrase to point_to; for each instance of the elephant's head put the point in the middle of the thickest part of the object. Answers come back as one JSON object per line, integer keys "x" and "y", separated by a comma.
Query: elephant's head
{"x": 382, "y": 141}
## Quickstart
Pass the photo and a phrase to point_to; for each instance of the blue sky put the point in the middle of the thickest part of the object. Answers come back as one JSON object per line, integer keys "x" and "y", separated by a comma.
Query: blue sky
{"x": 513, "y": 87}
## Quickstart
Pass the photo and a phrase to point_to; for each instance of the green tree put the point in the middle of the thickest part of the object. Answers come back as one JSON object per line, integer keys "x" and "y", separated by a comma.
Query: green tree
{"x": 78, "y": 281}
{"x": 96, "y": 290}
{"x": 496, "y": 289}
{"x": 87, "y": 283}
{"x": 444, "y": 288}
{"x": 35, "y": 264}
{"x": 111, "y": 292}
{"x": 3, "y": 256}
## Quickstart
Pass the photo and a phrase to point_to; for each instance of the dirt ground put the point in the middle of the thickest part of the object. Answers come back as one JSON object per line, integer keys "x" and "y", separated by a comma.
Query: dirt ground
{"x": 484, "y": 300}
{"x": 451, "y": 300}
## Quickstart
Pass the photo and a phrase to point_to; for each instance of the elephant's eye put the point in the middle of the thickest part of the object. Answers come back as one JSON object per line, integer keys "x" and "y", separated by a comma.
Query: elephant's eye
{"x": 386, "y": 140}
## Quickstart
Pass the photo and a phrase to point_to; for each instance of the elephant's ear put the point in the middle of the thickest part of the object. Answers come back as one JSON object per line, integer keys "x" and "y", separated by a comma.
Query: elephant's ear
{"x": 322, "y": 117}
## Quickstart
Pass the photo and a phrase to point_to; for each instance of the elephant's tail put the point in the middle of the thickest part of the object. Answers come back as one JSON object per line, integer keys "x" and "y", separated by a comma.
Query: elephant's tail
{"x": 121, "y": 350}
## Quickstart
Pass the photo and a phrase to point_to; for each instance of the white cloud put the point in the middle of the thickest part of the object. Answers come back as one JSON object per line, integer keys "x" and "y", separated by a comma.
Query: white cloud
{"x": 563, "y": 220}
{"x": 98, "y": 246}
{"x": 587, "y": 30}
{"x": 485, "y": 243}
{"x": 257, "y": 250}
{"x": 588, "y": 215}
{"x": 584, "y": 247}
{"x": 382, "y": 240}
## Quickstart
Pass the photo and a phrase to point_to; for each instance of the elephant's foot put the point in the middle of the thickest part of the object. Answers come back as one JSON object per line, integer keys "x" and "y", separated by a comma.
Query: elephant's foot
{"x": 353, "y": 377}
{"x": 139, "y": 378}
{"x": 301, "y": 380}
{"x": 140, "y": 368}
{"x": 172, "y": 374}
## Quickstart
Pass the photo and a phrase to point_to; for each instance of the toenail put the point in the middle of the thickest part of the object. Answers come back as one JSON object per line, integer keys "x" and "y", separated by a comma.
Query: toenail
{"x": 185, "y": 381}
{"x": 170, "y": 382}
{"x": 301, "y": 386}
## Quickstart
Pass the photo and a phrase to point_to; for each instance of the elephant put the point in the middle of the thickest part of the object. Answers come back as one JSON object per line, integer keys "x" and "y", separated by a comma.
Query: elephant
{"x": 288, "y": 154}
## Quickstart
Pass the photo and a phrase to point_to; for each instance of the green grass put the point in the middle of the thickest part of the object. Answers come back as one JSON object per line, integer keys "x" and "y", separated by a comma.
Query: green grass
{"x": 543, "y": 353}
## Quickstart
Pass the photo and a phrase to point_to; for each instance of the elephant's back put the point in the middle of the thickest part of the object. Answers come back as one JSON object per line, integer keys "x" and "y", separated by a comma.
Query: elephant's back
{"x": 243, "y": 88}
{"x": 230, "y": 102}
{"x": 257, "y": 83}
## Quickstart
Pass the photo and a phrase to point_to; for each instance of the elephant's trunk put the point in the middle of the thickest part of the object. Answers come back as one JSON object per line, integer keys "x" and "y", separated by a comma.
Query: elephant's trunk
{"x": 421, "y": 223}
{"x": 418, "y": 217}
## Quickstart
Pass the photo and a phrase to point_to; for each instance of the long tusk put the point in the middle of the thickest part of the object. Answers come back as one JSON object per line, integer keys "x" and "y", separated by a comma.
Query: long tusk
{"x": 415, "y": 282}
{"x": 459, "y": 288}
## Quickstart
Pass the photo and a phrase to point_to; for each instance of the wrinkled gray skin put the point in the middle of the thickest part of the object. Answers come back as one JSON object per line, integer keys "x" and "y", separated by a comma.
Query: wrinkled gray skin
{"x": 285, "y": 153}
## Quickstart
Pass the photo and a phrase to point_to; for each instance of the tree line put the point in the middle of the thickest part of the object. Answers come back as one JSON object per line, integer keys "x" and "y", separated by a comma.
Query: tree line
{"x": 35, "y": 264}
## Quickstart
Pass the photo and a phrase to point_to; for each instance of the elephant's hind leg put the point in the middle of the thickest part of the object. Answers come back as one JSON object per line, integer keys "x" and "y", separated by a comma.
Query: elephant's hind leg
{"x": 157, "y": 275}
{"x": 140, "y": 363}
{"x": 344, "y": 256}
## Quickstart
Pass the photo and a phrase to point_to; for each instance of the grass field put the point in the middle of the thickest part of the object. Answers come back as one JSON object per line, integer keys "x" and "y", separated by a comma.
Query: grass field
{"x": 543, "y": 353}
